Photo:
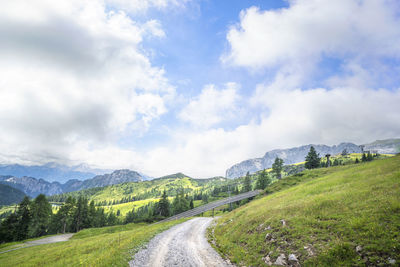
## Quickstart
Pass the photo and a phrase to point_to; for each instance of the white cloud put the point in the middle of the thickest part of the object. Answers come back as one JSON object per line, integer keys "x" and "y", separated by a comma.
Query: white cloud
{"x": 136, "y": 6}
{"x": 212, "y": 106}
{"x": 291, "y": 43}
{"x": 71, "y": 73}
{"x": 309, "y": 29}
{"x": 330, "y": 116}
{"x": 295, "y": 118}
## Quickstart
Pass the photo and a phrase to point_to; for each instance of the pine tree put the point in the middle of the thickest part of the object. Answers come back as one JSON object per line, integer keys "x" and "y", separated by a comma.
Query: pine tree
{"x": 277, "y": 167}
{"x": 263, "y": 180}
{"x": 112, "y": 219}
{"x": 130, "y": 217}
{"x": 180, "y": 203}
{"x": 101, "y": 217}
{"x": 24, "y": 216}
{"x": 163, "y": 206}
{"x": 41, "y": 215}
{"x": 81, "y": 215}
{"x": 93, "y": 218}
{"x": 363, "y": 158}
{"x": 61, "y": 222}
{"x": 312, "y": 160}
{"x": 8, "y": 228}
{"x": 247, "y": 183}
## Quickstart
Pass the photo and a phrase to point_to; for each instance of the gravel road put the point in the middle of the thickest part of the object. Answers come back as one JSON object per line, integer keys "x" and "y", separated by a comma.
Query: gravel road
{"x": 46, "y": 240}
{"x": 50, "y": 239}
{"x": 184, "y": 244}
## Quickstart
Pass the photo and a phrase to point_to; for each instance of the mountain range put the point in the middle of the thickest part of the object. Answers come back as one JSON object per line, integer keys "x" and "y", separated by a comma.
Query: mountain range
{"x": 35, "y": 180}
{"x": 33, "y": 186}
{"x": 298, "y": 154}
{"x": 52, "y": 172}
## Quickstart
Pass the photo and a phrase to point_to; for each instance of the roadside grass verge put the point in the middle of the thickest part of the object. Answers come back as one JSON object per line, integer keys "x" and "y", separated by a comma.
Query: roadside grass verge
{"x": 107, "y": 246}
{"x": 338, "y": 216}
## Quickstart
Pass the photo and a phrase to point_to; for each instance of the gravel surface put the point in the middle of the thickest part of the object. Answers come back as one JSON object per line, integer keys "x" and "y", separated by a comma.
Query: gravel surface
{"x": 51, "y": 239}
{"x": 183, "y": 245}
{"x": 46, "y": 240}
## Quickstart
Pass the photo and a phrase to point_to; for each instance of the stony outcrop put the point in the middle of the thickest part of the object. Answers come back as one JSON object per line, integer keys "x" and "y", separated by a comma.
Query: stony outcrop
{"x": 298, "y": 154}
{"x": 290, "y": 156}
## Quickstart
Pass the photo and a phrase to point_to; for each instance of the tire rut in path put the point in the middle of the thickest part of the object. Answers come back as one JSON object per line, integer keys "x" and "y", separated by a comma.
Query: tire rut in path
{"x": 184, "y": 244}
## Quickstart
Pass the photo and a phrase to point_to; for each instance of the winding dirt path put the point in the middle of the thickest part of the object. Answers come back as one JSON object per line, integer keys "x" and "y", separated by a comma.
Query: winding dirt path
{"x": 183, "y": 245}
{"x": 46, "y": 240}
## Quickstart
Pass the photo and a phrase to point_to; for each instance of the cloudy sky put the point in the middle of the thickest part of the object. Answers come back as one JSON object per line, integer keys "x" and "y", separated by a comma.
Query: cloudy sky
{"x": 193, "y": 86}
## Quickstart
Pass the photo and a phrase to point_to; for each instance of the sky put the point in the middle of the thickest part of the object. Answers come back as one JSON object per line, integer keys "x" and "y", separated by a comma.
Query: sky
{"x": 193, "y": 86}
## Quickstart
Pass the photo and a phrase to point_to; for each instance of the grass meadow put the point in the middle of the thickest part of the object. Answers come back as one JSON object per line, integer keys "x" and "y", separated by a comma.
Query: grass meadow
{"x": 107, "y": 246}
{"x": 338, "y": 216}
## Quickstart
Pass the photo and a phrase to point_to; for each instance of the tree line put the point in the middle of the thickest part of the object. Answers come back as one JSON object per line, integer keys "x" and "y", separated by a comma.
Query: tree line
{"x": 34, "y": 218}
{"x": 313, "y": 160}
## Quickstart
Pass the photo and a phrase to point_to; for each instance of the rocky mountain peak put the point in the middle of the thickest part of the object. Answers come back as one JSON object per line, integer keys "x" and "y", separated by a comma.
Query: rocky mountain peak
{"x": 298, "y": 154}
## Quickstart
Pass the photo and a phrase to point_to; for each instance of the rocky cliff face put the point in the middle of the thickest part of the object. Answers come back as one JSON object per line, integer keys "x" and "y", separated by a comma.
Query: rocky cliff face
{"x": 290, "y": 156}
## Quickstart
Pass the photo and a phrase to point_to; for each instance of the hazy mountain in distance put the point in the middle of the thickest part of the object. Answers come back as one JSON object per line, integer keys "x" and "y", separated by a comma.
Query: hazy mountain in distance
{"x": 33, "y": 186}
{"x": 116, "y": 177}
{"x": 388, "y": 146}
{"x": 52, "y": 172}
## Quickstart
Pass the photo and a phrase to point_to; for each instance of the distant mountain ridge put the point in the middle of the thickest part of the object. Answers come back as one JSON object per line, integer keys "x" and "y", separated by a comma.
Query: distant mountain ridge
{"x": 52, "y": 172}
{"x": 116, "y": 177}
{"x": 388, "y": 146}
{"x": 33, "y": 186}
{"x": 298, "y": 154}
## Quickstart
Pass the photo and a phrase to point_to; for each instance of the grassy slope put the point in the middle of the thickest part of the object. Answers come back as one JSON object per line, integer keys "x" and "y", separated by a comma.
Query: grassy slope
{"x": 153, "y": 188}
{"x": 330, "y": 211}
{"x": 107, "y": 246}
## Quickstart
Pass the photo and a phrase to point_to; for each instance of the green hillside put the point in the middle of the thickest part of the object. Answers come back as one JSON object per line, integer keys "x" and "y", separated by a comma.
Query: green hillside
{"x": 338, "y": 216}
{"x": 128, "y": 196}
{"x": 141, "y": 190}
{"x": 10, "y": 195}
